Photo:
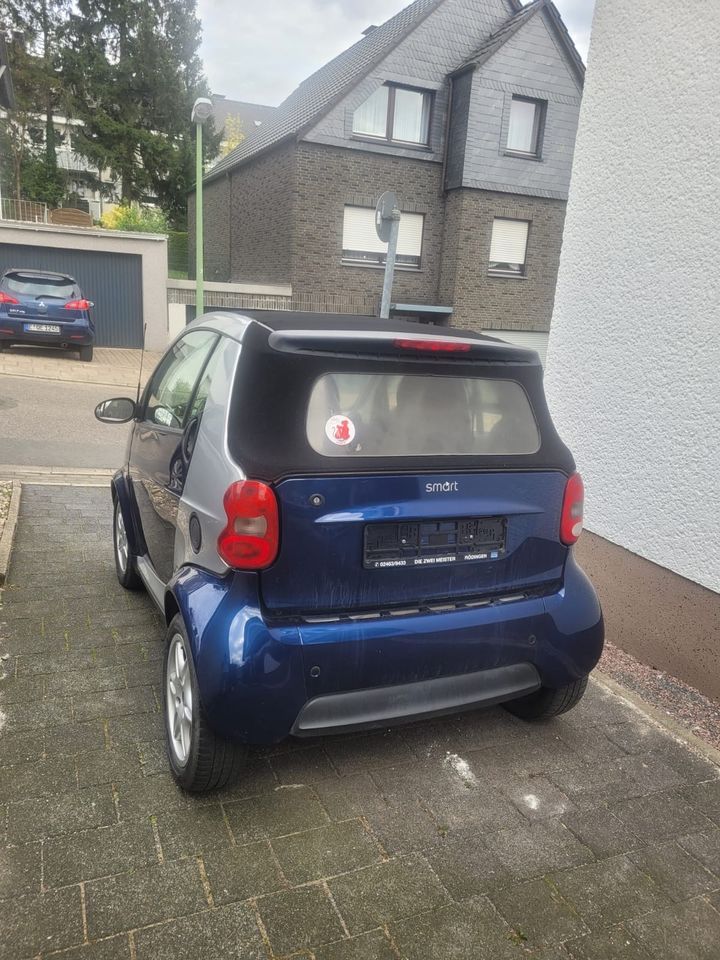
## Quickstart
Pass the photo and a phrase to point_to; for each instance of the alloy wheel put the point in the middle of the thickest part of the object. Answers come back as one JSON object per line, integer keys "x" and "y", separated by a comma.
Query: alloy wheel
{"x": 121, "y": 540}
{"x": 179, "y": 700}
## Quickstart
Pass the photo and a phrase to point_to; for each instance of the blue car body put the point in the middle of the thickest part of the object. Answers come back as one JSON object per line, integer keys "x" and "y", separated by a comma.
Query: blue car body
{"x": 44, "y": 309}
{"x": 319, "y": 640}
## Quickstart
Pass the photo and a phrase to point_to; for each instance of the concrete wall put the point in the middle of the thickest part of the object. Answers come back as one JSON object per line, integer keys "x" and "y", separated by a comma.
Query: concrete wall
{"x": 529, "y": 64}
{"x": 151, "y": 248}
{"x": 634, "y": 349}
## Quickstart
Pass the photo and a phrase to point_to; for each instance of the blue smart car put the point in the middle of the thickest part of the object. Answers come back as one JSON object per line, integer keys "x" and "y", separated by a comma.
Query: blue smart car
{"x": 349, "y": 523}
{"x": 45, "y": 309}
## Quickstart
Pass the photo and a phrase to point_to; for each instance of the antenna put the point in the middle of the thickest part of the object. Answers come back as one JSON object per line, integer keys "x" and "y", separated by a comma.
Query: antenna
{"x": 142, "y": 357}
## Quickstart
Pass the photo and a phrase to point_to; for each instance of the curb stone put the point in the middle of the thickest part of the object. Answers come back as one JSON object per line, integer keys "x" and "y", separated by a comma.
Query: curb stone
{"x": 674, "y": 727}
{"x": 8, "y": 534}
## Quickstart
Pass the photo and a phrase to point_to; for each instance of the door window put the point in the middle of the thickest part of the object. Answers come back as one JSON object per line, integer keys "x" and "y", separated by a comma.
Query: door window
{"x": 203, "y": 391}
{"x": 173, "y": 383}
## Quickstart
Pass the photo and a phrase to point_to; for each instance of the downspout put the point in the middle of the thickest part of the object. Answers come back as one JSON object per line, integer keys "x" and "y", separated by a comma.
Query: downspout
{"x": 443, "y": 189}
{"x": 447, "y": 134}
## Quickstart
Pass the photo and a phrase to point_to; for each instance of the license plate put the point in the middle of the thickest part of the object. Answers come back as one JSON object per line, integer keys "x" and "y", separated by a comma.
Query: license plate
{"x": 42, "y": 328}
{"x": 428, "y": 543}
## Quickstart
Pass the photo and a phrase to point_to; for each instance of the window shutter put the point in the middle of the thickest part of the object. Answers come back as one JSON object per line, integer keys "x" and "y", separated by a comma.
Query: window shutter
{"x": 509, "y": 241}
{"x": 359, "y": 232}
{"x": 410, "y": 235}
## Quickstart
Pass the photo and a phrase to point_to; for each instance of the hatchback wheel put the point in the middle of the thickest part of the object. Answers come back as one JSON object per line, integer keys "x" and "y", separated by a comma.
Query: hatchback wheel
{"x": 124, "y": 560}
{"x": 86, "y": 354}
{"x": 548, "y": 702}
{"x": 200, "y": 760}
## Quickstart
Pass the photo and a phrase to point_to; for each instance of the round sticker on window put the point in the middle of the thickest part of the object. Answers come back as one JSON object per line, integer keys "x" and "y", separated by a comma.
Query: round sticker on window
{"x": 340, "y": 430}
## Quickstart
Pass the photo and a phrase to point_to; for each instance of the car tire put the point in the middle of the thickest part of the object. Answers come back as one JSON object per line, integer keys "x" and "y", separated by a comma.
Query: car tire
{"x": 548, "y": 702}
{"x": 86, "y": 354}
{"x": 200, "y": 761}
{"x": 124, "y": 559}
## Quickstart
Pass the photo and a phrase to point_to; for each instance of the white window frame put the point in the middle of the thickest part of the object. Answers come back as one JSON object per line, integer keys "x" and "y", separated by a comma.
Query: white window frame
{"x": 535, "y": 153}
{"x": 507, "y": 244}
{"x": 368, "y": 250}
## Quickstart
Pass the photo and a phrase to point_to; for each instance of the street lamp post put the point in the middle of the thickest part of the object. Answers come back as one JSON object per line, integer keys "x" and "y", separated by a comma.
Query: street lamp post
{"x": 202, "y": 108}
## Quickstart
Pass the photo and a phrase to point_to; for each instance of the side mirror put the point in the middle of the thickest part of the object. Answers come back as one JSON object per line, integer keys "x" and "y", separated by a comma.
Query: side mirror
{"x": 117, "y": 410}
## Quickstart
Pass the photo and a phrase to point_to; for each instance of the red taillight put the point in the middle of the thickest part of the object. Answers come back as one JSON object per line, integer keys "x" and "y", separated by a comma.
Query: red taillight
{"x": 433, "y": 346}
{"x": 251, "y": 536}
{"x": 6, "y": 298}
{"x": 78, "y": 305}
{"x": 571, "y": 519}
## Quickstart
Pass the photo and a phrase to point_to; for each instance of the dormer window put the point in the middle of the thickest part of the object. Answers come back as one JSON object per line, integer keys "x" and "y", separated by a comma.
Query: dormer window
{"x": 525, "y": 130}
{"x": 396, "y": 115}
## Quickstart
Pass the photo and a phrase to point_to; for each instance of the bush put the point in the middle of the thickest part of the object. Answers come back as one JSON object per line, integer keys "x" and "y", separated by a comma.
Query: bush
{"x": 134, "y": 217}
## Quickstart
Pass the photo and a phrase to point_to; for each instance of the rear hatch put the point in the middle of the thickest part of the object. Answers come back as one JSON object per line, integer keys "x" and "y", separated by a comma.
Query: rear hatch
{"x": 353, "y": 544}
{"x": 408, "y": 470}
{"x": 40, "y": 299}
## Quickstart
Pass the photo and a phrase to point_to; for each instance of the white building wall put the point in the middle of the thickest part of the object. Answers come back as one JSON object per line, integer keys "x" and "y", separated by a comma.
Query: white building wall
{"x": 633, "y": 372}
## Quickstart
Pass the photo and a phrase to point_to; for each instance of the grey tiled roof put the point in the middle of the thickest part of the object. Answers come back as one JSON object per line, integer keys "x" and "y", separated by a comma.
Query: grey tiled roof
{"x": 320, "y": 91}
{"x": 513, "y": 24}
{"x": 248, "y": 113}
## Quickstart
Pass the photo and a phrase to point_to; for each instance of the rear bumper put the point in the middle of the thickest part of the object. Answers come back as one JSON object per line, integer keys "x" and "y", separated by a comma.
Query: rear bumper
{"x": 261, "y": 681}
{"x": 78, "y": 333}
{"x": 405, "y": 702}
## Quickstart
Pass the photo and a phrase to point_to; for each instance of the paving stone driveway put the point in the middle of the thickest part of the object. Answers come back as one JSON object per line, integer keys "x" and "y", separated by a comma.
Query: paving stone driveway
{"x": 473, "y": 838}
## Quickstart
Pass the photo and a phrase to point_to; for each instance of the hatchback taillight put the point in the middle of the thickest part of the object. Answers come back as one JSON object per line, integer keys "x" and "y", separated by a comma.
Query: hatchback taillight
{"x": 571, "y": 519}
{"x": 6, "y": 298}
{"x": 251, "y": 536}
{"x": 78, "y": 305}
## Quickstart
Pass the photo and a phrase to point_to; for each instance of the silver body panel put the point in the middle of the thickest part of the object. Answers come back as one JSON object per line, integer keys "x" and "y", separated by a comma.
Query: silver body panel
{"x": 211, "y": 470}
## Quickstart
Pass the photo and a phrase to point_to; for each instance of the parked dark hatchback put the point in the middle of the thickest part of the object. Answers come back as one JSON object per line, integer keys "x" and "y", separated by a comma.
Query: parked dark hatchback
{"x": 46, "y": 309}
{"x": 349, "y": 523}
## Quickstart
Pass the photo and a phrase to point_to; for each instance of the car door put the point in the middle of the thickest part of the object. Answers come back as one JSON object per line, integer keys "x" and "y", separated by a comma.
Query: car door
{"x": 158, "y": 453}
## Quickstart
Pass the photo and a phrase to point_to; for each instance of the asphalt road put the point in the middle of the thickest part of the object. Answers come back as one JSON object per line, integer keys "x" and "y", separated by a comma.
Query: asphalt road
{"x": 50, "y": 423}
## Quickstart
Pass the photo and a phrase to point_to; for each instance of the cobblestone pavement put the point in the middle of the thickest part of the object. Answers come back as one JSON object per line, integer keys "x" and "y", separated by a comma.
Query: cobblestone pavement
{"x": 473, "y": 838}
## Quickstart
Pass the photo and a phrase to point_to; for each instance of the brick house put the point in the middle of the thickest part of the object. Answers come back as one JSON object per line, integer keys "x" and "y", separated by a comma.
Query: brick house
{"x": 468, "y": 110}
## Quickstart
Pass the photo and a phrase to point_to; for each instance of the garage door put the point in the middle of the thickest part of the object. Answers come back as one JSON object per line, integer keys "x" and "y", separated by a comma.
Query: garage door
{"x": 113, "y": 281}
{"x": 524, "y": 338}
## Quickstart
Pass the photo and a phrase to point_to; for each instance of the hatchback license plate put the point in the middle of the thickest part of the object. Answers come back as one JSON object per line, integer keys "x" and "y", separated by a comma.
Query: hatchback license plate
{"x": 433, "y": 542}
{"x": 41, "y": 328}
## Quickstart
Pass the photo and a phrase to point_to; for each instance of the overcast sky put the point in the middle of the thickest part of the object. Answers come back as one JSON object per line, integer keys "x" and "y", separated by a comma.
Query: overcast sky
{"x": 262, "y": 52}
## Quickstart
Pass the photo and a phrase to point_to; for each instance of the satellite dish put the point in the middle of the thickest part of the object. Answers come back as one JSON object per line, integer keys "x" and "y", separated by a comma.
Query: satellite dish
{"x": 383, "y": 214}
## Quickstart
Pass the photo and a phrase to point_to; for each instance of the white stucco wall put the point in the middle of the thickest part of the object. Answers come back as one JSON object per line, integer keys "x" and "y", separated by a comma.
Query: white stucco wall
{"x": 633, "y": 371}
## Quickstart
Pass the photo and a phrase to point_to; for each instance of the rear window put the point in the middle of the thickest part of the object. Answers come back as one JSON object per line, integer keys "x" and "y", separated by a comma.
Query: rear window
{"x": 60, "y": 288}
{"x": 386, "y": 415}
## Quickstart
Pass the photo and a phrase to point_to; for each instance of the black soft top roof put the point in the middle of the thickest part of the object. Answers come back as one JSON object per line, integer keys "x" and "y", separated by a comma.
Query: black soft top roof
{"x": 278, "y": 367}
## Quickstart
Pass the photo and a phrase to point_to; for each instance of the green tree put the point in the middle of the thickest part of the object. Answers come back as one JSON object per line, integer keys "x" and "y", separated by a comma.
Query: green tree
{"x": 233, "y": 134}
{"x": 135, "y": 217}
{"x": 133, "y": 72}
{"x": 35, "y": 52}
